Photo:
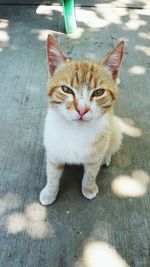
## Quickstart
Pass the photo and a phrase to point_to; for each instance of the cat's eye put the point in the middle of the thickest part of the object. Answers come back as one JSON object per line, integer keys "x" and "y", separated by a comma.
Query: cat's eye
{"x": 67, "y": 90}
{"x": 98, "y": 92}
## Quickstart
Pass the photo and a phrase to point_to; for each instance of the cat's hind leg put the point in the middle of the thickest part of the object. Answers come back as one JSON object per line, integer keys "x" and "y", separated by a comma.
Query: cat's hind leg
{"x": 114, "y": 142}
{"x": 50, "y": 191}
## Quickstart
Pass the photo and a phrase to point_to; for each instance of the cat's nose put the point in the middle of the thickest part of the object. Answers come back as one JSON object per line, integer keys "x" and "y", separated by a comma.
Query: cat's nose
{"x": 82, "y": 111}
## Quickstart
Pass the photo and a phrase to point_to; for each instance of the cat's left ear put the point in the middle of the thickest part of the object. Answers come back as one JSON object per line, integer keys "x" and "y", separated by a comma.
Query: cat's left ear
{"x": 113, "y": 59}
{"x": 55, "y": 56}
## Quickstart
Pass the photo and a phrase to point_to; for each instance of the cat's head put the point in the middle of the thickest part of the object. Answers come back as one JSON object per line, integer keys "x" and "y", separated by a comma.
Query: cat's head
{"x": 82, "y": 90}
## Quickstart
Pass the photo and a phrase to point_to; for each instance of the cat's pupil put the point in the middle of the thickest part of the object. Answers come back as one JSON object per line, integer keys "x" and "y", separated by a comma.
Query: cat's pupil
{"x": 98, "y": 92}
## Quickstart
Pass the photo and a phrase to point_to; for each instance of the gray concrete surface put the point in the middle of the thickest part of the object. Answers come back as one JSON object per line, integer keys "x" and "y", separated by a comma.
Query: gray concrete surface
{"x": 112, "y": 230}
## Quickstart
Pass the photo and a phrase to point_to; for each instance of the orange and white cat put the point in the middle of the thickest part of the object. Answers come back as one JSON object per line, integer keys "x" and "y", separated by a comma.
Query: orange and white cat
{"x": 80, "y": 127}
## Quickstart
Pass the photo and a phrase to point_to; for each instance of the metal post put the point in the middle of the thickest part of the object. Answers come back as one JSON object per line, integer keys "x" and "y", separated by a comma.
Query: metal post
{"x": 69, "y": 15}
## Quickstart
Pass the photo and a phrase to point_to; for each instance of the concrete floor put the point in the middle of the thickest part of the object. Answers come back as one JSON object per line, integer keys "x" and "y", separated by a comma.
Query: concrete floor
{"x": 112, "y": 230}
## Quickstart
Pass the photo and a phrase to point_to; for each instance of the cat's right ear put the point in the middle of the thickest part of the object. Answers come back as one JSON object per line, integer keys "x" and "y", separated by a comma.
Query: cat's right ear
{"x": 113, "y": 59}
{"x": 55, "y": 56}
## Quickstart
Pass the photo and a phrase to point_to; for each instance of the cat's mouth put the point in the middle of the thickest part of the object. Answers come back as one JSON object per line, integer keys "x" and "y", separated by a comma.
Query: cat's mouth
{"x": 81, "y": 120}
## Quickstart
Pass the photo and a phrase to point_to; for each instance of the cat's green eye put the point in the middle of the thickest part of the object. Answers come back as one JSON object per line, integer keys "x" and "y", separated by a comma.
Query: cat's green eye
{"x": 67, "y": 90}
{"x": 98, "y": 92}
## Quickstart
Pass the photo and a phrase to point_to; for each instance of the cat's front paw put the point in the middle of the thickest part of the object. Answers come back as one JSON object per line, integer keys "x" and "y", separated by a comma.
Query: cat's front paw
{"x": 90, "y": 192}
{"x": 46, "y": 198}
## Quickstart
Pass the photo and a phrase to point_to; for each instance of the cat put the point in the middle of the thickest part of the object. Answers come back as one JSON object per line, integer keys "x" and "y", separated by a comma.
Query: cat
{"x": 80, "y": 127}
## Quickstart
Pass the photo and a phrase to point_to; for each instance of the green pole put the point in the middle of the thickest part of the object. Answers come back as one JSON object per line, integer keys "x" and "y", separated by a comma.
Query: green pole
{"x": 69, "y": 16}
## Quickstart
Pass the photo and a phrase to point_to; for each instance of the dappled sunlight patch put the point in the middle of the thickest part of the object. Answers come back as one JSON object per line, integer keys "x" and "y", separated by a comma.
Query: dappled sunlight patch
{"x": 144, "y": 49}
{"x": 9, "y": 201}
{"x": 131, "y": 186}
{"x": 100, "y": 16}
{"x": 137, "y": 70}
{"x": 111, "y": 15}
{"x": 144, "y": 11}
{"x": 4, "y": 23}
{"x": 129, "y": 3}
{"x": 147, "y": 4}
{"x": 77, "y": 34}
{"x": 134, "y": 22}
{"x": 4, "y": 37}
{"x": 35, "y": 212}
{"x": 16, "y": 223}
{"x": 44, "y": 10}
{"x": 101, "y": 254}
{"x": 144, "y": 35}
{"x": 33, "y": 221}
{"x": 92, "y": 20}
{"x": 123, "y": 2}
{"x": 42, "y": 34}
{"x": 127, "y": 128}
{"x": 49, "y": 11}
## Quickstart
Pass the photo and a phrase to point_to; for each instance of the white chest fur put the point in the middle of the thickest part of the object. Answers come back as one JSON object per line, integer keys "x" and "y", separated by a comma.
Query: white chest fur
{"x": 70, "y": 142}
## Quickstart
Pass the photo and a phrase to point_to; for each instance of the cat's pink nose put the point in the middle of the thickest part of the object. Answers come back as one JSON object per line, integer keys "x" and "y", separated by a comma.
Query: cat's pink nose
{"x": 82, "y": 111}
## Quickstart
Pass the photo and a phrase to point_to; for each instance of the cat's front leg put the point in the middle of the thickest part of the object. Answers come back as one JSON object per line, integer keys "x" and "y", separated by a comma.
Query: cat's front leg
{"x": 89, "y": 186}
{"x": 50, "y": 191}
